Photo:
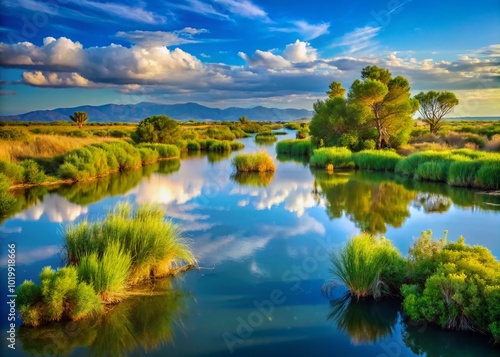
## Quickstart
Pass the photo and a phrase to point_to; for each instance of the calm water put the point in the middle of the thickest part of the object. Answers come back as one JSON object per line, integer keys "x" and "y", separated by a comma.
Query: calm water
{"x": 263, "y": 243}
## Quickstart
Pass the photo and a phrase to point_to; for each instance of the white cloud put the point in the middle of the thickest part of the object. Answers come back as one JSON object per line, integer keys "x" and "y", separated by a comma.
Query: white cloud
{"x": 359, "y": 39}
{"x": 161, "y": 38}
{"x": 307, "y": 30}
{"x": 55, "y": 208}
{"x": 40, "y": 79}
{"x": 265, "y": 59}
{"x": 244, "y": 8}
{"x": 300, "y": 52}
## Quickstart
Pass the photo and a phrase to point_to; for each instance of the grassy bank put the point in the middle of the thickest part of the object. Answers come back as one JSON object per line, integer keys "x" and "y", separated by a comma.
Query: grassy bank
{"x": 104, "y": 259}
{"x": 256, "y": 162}
{"x": 301, "y": 147}
{"x": 453, "y": 285}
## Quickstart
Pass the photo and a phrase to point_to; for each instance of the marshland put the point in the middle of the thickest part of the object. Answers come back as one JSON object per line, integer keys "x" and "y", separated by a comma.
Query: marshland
{"x": 251, "y": 217}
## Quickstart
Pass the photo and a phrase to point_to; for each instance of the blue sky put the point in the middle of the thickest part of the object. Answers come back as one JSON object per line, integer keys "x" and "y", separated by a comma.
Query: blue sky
{"x": 245, "y": 53}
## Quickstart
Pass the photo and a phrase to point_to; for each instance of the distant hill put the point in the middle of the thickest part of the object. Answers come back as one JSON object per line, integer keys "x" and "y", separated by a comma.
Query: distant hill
{"x": 188, "y": 111}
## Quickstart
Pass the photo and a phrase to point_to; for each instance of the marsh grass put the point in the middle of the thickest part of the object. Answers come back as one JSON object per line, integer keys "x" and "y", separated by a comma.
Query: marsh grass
{"x": 256, "y": 162}
{"x": 298, "y": 147}
{"x": 376, "y": 160}
{"x": 339, "y": 157}
{"x": 155, "y": 246}
{"x": 368, "y": 266}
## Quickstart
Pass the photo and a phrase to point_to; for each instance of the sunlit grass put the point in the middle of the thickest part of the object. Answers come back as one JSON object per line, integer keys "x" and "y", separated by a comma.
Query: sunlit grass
{"x": 339, "y": 157}
{"x": 258, "y": 162}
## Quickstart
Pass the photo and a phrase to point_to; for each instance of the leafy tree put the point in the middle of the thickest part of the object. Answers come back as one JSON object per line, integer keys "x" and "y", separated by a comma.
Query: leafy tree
{"x": 336, "y": 90}
{"x": 157, "y": 129}
{"x": 243, "y": 119}
{"x": 434, "y": 106}
{"x": 79, "y": 118}
{"x": 386, "y": 103}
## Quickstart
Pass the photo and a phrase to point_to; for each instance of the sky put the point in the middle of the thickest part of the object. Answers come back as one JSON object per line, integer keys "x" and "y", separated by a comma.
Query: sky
{"x": 245, "y": 53}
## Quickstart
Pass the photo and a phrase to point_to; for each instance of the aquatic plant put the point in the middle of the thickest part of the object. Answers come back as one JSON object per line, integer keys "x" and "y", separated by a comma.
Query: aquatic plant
{"x": 294, "y": 147}
{"x": 259, "y": 162}
{"x": 339, "y": 157}
{"x": 376, "y": 160}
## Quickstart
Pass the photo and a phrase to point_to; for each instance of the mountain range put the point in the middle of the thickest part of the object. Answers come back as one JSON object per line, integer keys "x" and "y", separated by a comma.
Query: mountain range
{"x": 136, "y": 112}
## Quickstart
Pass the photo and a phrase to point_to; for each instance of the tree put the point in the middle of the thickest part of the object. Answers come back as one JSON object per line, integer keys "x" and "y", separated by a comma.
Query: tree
{"x": 336, "y": 90}
{"x": 243, "y": 119}
{"x": 157, "y": 129}
{"x": 386, "y": 103}
{"x": 79, "y": 118}
{"x": 434, "y": 106}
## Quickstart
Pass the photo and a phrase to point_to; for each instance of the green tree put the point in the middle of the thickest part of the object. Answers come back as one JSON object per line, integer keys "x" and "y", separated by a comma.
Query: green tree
{"x": 157, "y": 129}
{"x": 386, "y": 103}
{"x": 243, "y": 119}
{"x": 336, "y": 90}
{"x": 79, "y": 118}
{"x": 434, "y": 106}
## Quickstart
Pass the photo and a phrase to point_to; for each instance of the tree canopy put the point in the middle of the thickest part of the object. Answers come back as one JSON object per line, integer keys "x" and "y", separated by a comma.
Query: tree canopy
{"x": 376, "y": 113}
{"x": 157, "y": 129}
{"x": 79, "y": 118}
{"x": 434, "y": 106}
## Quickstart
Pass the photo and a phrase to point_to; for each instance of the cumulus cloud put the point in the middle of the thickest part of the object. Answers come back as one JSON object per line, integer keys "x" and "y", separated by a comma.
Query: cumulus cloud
{"x": 300, "y": 52}
{"x": 265, "y": 59}
{"x": 44, "y": 79}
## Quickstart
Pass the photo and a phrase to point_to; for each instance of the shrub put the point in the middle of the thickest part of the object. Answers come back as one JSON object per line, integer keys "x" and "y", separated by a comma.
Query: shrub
{"x": 377, "y": 160}
{"x": 13, "y": 172}
{"x": 193, "y": 145}
{"x": 165, "y": 151}
{"x": 292, "y": 126}
{"x": 28, "y": 293}
{"x": 157, "y": 129}
{"x": 294, "y": 147}
{"x": 220, "y": 133}
{"x": 14, "y": 133}
{"x": 236, "y": 145}
{"x": 148, "y": 156}
{"x": 219, "y": 146}
{"x": 368, "y": 266}
{"x": 85, "y": 302}
{"x": 258, "y": 162}
{"x": 493, "y": 144}
{"x": 339, "y": 157}
{"x": 32, "y": 172}
{"x": 7, "y": 201}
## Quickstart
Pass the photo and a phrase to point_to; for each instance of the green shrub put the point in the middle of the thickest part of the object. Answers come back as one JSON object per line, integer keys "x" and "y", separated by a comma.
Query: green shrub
{"x": 461, "y": 290}
{"x": 148, "y": 156}
{"x": 193, "y": 145}
{"x": 220, "y": 133}
{"x": 7, "y": 201}
{"x": 258, "y": 162}
{"x": 236, "y": 145}
{"x": 339, "y": 157}
{"x": 85, "y": 302}
{"x": 376, "y": 160}
{"x": 55, "y": 287}
{"x": 28, "y": 293}
{"x": 294, "y": 147}
{"x": 13, "y": 172}
{"x": 292, "y": 126}
{"x": 220, "y": 146}
{"x": 165, "y": 151}
{"x": 157, "y": 129}
{"x": 14, "y": 133}
{"x": 368, "y": 266}
{"x": 32, "y": 172}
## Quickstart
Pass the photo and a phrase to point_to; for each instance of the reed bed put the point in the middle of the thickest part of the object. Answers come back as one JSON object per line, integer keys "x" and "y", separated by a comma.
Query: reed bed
{"x": 256, "y": 162}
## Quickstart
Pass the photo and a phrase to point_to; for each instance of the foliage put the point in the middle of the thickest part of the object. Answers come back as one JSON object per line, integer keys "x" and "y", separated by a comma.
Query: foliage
{"x": 157, "y": 129}
{"x": 461, "y": 289}
{"x": 7, "y": 201}
{"x": 79, "y": 118}
{"x": 13, "y": 133}
{"x": 386, "y": 103}
{"x": 13, "y": 173}
{"x": 300, "y": 147}
{"x": 339, "y": 157}
{"x": 154, "y": 245}
{"x": 32, "y": 174}
{"x": 259, "y": 162}
{"x": 434, "y": 106}
{"x": 368, "y": 266}
{"x": 376, "y": 160}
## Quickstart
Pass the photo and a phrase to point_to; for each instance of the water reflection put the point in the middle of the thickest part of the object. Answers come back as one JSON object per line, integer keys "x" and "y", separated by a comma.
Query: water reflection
{"x": 367, "y": 321}
{"x": 304, "y": 160}
{"x": 371, "y": 205}
{"x": 256, "y": 179}
{"x": 138, "y": 324}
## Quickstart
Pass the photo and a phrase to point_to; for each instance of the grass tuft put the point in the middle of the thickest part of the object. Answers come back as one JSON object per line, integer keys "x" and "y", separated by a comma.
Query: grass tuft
{"x": 258, "y": 162}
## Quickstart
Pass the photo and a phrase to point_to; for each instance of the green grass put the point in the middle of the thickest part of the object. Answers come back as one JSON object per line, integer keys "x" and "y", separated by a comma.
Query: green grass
{"x": 265, "y": 139}
{"x": 256, "y": 162}
{"x": 294, "y": 147}
{"x": 339, "y": 157}
{"x": 155, "y": 245}
{"x": 376, "y": 160}
{"x": 368, "y": 266}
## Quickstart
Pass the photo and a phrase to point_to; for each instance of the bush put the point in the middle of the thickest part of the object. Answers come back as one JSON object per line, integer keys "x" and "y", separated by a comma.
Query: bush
{"x": 376, "y": 160}
{"x": 14, "y": 133}
{"x": 157, "y": 129}
{"x": 292, "y": 126}
{"x": 339, "y": 157}
{"x": 165, "y": 151}
{"x": 32, "y": 172}
{"x": 258, "y": 162}
{"x": 219, "y": 146}
{"x": 294, "y": 147}
{"x": 236, "y": 145}
{"x": 13, "y": 172}
{"x": 7, "y": 201}
{"x": 193, "y": 145}
{"x": 461, "y": 290}
{"x": 148, "y": 156}
{"x": 368, "y": 266}
{"x": 220, "y": 133}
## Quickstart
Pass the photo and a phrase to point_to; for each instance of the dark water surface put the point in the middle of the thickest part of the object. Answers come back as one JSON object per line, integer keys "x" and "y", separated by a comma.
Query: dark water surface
{"x": 264, "y": 241}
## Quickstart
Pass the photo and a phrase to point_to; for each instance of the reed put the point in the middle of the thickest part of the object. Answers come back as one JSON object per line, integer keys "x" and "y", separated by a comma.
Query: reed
{"x": 339, "y": 157}
{"x": 256, "y": 162}
{"x": 294, "y": 147}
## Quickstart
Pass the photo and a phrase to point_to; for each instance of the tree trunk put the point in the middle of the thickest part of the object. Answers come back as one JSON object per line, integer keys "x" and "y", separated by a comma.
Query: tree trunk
{"x": 432, "y": 127}
{"x": 80, "y": 125}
